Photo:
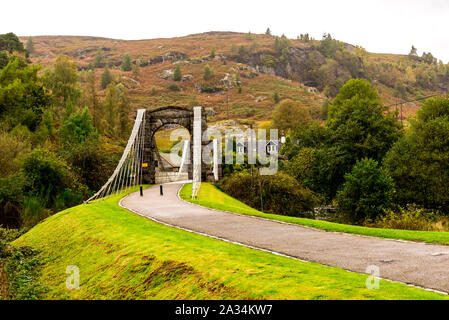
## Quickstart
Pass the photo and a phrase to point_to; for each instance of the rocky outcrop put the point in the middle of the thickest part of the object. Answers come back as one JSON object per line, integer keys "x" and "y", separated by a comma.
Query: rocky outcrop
{"x": 168, "y": 56}
{"x": 292, "y": 66}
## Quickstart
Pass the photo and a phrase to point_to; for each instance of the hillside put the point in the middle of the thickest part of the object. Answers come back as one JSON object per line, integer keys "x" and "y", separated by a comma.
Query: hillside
{"x": 306, "y": 70}
{"x": 121, "y": 255}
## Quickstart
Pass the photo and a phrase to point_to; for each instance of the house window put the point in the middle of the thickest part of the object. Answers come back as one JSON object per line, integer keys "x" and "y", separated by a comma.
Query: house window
{"x": 240, "y": 149}
{"x": 272, "y": 148}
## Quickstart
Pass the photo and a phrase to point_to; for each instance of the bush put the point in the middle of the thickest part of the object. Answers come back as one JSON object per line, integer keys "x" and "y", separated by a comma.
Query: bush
{"x": 34, "y": 211}
{"x": 11, "y": 200}
{"x": 126, "y": 64}
{"x": 78, "y": 128}
{"x": 279, "y": 193}
{"x": 12, "y": 147}
{"x": 411, "y": 218}
{"x": 208, "y": 72}
{"x": 174, "y": 87}
{"x": 367, "y": 191}
{"x": 47, "y": 175}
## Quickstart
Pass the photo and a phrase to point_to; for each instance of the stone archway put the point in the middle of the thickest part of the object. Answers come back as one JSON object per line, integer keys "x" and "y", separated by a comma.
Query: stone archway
{"x": 171, "y": 115}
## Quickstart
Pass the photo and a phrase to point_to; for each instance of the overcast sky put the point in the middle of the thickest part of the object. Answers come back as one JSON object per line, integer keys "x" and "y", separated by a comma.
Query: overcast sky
{"x": 377, "y": 25}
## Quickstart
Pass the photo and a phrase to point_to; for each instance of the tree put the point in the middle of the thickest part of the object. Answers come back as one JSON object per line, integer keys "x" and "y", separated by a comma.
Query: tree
{"x": 46, "y": 174}
{"x": 282, "y": 44}
{"x": 99, "y": 59}
{"x": 126, "y": 64}
{"x": 208, "y": 72}
{"x": 78, "y": 128}
{"x": 111, "y": 106}
{"x": 106, "y": 78}
{"x": 3, "y": 59}
{"x": 276, "y": 98}
{"x": 23, "y": 97}
{"x": 268, "y": 32}
{"x": 360, "y": 123}
{"x": 95, "y": 106}
{"x": 360, "y": 128}
{"x": 304, "y": 37}
{"x": 290, "y": 114}
{"x": 30, "y": 45}
{"x": 136, "y": 70}
{"x": 124, "y": 109}
{"x": 418, "y": 162}
{"x": 64, "y": 82}
{"x": 367, "y": 191}
{"x": 213, "y": 52}
{"x": 177, "y": 75}
{"x": 413, "y": 54}
{"x": 328, "y": 46}
{"x": 10, "y": 42}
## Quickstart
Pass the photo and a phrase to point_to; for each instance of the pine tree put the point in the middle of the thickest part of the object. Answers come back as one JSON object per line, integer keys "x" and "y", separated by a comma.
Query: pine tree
{"x": 136, "y": 70}
{"x": 99, "y": 59}
{"x": 110, "y": 105}
{"x": 92, "y": 101}
{"x": 268, "y": 32}
{"x": 276, "y": 97}
{"x": 126, "y": 64}
{"x": 106, "y": 78}
{"x": 213, "y": 52}
{"x": 177, "y": 75}
{"x": 123, "y": 111}
{"x": 30, "y": 45}
{"x": 208, "y": 72}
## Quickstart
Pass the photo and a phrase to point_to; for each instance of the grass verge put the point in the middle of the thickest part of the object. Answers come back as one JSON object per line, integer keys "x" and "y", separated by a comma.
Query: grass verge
{"x": 121, "y": 255}
{"x": 210, "y": 196}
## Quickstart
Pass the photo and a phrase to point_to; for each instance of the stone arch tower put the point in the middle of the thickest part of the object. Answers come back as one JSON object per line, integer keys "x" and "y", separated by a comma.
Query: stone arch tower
{"x": 156, "y": 119}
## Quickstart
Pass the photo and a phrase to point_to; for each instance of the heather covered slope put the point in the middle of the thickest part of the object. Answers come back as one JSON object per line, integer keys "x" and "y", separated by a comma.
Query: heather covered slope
{"x": 308, "y": 71}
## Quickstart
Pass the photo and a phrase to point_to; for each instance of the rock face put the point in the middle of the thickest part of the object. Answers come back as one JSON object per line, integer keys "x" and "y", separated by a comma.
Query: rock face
{"x": 168, "y": 56}
{"x": 293, "y": 66}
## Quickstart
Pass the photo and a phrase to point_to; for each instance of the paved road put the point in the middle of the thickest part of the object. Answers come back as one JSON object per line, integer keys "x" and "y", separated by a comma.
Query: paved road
{"x": 420, "y": 264}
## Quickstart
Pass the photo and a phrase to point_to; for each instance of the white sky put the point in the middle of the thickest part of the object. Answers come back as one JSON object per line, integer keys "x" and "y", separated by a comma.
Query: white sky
{"x": 389, "y": 26}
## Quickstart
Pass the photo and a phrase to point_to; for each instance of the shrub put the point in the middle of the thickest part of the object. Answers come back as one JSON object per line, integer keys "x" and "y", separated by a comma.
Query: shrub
{"x": 279, "y": 193}
{"x": 208, "y": 72}
{"x": 12, "y": 147}
{"x": 47, "y": 175}
{"x": 367, "y": 191}
{"x": 106, "y": 78}
{"x": 78, "y": 128}
{"x": 34, "y": 211}
{"x": 174, "y": 87}
{"x": 411, "y": 218}
{"x": 126, "y": 64}
{"x": 11, "y": 200}
{"x": 177, "y": 75}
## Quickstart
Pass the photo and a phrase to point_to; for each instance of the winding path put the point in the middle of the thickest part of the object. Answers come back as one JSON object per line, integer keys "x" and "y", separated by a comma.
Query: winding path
{"x": 420, "y": 264}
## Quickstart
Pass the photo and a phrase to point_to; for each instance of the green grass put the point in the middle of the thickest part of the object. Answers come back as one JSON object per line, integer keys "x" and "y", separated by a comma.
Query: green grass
{"x": 210, "y": 196}
{"x": 121, "y": 255}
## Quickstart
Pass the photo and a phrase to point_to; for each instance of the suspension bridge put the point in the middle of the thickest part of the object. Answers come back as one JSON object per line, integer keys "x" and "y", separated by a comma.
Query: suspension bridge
{"x": 141, "y": 156}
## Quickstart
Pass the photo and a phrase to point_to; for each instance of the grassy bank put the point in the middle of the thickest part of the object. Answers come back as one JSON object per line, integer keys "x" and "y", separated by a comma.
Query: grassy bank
{"x": 211, "y": 197}
{"x": 121, "y": 255}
